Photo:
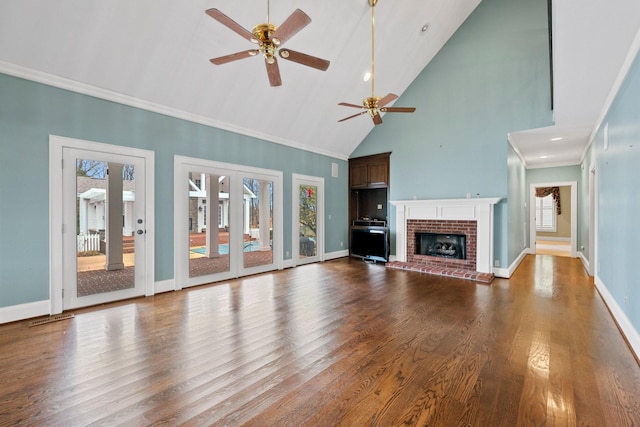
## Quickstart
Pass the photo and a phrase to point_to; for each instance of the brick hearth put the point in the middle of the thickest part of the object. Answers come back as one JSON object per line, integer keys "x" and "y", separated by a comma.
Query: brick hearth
{"x": 461, "y": 268}
{"x": 442, "y": 271}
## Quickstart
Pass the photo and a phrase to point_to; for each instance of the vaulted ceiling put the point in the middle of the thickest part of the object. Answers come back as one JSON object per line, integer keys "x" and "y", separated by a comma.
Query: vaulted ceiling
{"x": 155, "y": 54}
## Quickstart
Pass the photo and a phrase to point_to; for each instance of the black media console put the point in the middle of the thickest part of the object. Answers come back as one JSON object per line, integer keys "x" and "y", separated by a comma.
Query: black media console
{"x": 370, "y": 240}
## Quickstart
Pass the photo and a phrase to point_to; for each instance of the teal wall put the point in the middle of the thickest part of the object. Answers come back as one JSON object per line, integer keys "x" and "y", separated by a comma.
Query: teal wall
{"x": 30, "y": 112}
{"x": 491, "y": 78}
{"x": 618, "y": 175}
{"x": 555, "y": 174}
{"x": 518, "y": 234}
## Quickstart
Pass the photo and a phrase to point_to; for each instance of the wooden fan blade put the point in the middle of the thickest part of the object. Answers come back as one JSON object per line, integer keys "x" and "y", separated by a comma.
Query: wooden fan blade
{"x": 351, "y": 117}
{"x": 398, "y": 109}
{"x": 234, "y": 56}
{"x": 387, "y": 99}
{"x": 273, "y": 71}
{"x": 294, "y": 23}
{"x": 304, "y": 59}
{"x": 346, "y": 104}
{"x": 377, "y": 119}
{"x": 231, "y": 24}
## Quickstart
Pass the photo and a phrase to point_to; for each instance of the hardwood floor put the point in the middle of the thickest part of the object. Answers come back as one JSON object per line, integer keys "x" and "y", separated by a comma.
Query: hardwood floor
{"x": 551, "y": 247}
{"x": 338, "y": 343}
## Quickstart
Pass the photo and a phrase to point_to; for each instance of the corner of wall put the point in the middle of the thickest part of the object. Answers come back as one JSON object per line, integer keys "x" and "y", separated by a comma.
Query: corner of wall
{"x": 506, "y": 273}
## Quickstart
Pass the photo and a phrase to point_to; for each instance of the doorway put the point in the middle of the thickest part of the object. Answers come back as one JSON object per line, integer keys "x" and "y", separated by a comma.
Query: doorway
{"x": 101, "y": 223}
{"x": 228, "y": 221}
{"x": 550, "y": 245}
{"x": 308, "y": 219}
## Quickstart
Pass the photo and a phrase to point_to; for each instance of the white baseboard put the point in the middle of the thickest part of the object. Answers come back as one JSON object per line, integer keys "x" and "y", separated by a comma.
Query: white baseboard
{"x": 505, "y": 273}
{"x": 585, "y": 262}
{"x": 165, "y": 286}
{"x": 13, "y": 313}
{"x": 338, "y": 254}
{"x": 625, "y": 325}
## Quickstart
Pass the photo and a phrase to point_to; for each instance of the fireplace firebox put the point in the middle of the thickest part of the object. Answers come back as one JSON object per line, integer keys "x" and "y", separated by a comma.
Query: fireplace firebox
{"x": 453, "y": 246}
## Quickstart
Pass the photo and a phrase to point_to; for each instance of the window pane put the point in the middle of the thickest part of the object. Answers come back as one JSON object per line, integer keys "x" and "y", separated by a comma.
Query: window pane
{"x": 545, "y": 214}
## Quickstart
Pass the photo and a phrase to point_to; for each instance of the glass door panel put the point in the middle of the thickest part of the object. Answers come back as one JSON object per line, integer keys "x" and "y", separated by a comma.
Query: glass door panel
{"x": 209, "y": 224}
{"x": 257, "y": 242}
{"x": 105, "y": 223}
{"x": 308, "y": 220}
{"x": 226, "y": 217}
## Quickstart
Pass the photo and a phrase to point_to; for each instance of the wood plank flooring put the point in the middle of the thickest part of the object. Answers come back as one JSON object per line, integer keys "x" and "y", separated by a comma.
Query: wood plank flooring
{"x": 551, "y": 247}
{"x": 342, "y": 343}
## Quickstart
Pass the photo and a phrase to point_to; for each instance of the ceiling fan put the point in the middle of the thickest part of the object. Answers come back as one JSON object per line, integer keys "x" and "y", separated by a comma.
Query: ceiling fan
{"x": 374, "y": 105}
{"x": 269, "y": 39}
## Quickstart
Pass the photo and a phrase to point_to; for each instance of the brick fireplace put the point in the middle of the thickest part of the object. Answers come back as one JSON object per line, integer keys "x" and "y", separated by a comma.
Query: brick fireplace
{"x": 472, "y": 218}
{"x": 467, "y": 228}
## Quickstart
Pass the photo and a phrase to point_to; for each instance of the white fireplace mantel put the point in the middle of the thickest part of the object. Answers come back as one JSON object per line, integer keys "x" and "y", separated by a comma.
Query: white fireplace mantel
{"x": 478, "y": 209}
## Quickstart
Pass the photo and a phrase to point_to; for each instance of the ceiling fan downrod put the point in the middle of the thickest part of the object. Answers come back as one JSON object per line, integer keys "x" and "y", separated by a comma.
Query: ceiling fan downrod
{"x": 374, "y": 105}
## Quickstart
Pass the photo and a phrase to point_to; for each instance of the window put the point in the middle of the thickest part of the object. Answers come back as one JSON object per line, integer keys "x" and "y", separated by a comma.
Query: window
{"x": 546, "y": 214}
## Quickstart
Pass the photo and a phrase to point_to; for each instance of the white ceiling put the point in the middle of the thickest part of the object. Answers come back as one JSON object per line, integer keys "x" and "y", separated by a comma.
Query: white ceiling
{"x": 591, "y": 41}
{"x": 155, "y": 54}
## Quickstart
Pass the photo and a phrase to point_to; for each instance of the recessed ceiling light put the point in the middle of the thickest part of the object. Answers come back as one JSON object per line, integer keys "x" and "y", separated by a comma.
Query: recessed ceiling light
{"x": 366, "y": 76}
{"x": 559, "y": 138}
{"x": 424, "y": 28}
{"x": 544, "y": 157}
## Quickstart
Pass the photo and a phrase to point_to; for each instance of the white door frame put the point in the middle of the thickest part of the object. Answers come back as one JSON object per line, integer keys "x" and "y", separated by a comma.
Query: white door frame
{"x": 574, "y": 213}
{"x": 57, "y": 227}
{"x": 298, "y": 180}
{"x": 182, "y": 166}
{"x": 593, "y": 221}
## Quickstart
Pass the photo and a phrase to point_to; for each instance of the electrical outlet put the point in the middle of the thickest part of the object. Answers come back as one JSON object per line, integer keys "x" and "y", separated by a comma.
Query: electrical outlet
{"x": 496, "y": 263}
{"x": 379, "y": 206}
{"x": 286, "y": 254}
{"x": 341, "y": 244}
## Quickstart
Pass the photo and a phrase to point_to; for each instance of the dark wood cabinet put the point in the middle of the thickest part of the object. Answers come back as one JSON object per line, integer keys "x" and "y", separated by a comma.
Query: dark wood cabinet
{"x": 379, "y": 173}
{"x": 368, "y": 203}
{"x": 369, "y": 171}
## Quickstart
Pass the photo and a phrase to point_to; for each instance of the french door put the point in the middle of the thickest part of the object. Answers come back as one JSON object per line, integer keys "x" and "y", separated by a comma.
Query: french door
{"x": 228, "y": 221}
{"x": 308, "y": 219}
{"x": 105, "y": 227}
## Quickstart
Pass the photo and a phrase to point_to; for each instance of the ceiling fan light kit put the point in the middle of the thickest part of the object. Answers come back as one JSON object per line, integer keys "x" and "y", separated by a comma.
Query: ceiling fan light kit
{"x": 269, "y": 38}
{"x": 374, "y": 105}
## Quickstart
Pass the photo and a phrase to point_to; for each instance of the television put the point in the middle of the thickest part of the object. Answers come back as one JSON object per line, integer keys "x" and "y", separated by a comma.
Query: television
{"x": 370, "y": 243}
